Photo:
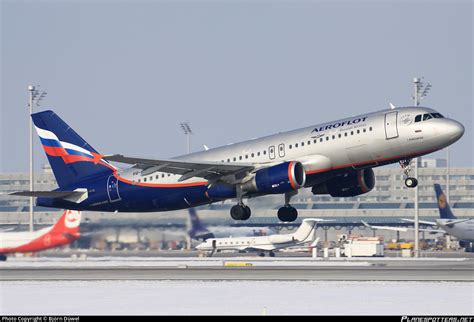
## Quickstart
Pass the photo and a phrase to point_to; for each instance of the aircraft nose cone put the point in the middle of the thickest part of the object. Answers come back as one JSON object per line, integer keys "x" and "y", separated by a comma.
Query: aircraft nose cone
{"x": 455, "y": 130}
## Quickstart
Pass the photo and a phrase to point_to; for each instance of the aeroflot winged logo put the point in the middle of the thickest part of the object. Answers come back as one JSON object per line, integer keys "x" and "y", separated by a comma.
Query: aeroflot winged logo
{"x": 340, "y": 124}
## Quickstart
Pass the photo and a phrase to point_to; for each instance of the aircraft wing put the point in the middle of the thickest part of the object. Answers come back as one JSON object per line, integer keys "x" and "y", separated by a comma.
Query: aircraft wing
{"x": 403, "y": 229}
{"x": 208, "y": 170}
{"x": 431, "y": 223}
{"x": 450, "y": 222}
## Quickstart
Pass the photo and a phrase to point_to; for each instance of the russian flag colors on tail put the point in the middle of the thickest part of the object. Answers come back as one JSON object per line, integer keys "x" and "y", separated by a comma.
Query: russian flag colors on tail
{"x": 72, "y": 159}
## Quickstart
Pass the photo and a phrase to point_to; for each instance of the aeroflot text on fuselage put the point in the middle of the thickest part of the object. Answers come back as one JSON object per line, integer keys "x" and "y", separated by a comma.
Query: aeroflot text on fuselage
{"x": 339, "y": 124}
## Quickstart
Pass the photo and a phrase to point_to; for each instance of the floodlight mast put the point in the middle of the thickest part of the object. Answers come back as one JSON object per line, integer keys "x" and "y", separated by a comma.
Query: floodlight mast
{"x": 35, "y": 97}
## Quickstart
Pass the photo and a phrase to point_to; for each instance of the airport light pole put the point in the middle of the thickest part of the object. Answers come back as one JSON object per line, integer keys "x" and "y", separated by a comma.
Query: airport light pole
{"x": 421, "y": 91}
{"x": 187, "y": 131}
{"x": 35, "y": 98}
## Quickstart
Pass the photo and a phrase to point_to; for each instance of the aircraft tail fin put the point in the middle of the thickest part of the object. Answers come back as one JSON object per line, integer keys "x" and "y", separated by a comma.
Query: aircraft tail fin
{"x": 72, "y": 159}
{"x": 197, "y": 228}
{"x": 68, "y": 223}
{"x": 306, "y": 231}
{"x": 443, "y": 206}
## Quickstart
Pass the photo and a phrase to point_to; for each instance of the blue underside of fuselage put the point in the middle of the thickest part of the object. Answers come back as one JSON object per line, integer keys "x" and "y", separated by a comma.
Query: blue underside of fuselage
{"x": 135, "y": 198}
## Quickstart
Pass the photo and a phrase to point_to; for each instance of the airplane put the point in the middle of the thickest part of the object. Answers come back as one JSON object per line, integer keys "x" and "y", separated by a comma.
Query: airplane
{"x": 200, "y": 232}
{"x": 334, "y": 158}
{"x": 65, "y": 231}
{"x": 304, "y": 234}
{"x": 462, "y": 229}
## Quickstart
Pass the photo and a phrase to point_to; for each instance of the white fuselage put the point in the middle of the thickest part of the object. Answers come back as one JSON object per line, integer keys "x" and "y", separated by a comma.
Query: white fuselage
{"x": 366, "y": 140}
{"x": 462, "y": 231}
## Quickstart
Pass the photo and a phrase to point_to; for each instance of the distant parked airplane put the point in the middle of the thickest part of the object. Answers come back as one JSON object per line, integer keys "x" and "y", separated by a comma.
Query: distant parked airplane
{"x": 65, "y": 231}
{"x": 334, "y": 158}
{"x": 304, "y": 234}
{"x": 462, "y": 229}
{"x": 199, "y": 231}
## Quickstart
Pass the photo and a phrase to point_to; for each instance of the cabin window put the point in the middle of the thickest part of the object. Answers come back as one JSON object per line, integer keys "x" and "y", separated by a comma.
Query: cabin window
{"x": 228, "y": 160}
{"x": 352, "y": 132}
{"x": 291, "y": 146}
{"x": 358, "y": 131}
{"x": 296, "y": 145}
{"x": 364, "y": 130}
{"x": 370, "y": 128}
{"x": 258, "y": 153}
{"x": 246, "y": 156}
{"x": 339, "y": 135}
{"x": 333, "y": 137}
{"x": 327, "y": 138}
{"x": 139, "y": 180}
{"x": 437, "y": 115}
{"x": 264, "y": 152}
{"x": 162, "y": 175}
{"x": 321, "y": 140}
{"x": 309, "y": 142}
{"x": 418, "y": 118}
{"x": 314, "y": 141}
{"x": 302, "y": 143}
{"x": 253, "y": 155}
{"x": 156, "y": 177}
{"x": 235, "y": 159}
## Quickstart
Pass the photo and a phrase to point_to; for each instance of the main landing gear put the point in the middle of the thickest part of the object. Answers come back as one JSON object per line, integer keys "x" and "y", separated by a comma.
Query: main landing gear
{"x": 240, "y": 212}
{"x": 287, "y": 212}
{"x": 410, "y": 182}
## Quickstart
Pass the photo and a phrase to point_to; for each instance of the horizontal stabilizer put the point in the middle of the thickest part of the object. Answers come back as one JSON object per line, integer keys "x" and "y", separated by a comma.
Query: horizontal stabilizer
{"x": 76, "y": 196}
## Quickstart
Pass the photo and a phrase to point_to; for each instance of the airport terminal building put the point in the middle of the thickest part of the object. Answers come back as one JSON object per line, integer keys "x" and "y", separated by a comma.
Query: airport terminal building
{"x": 389, "y": 199}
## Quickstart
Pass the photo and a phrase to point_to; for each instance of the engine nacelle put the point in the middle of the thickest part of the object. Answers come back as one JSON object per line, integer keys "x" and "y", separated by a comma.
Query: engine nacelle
{"x": 280, "y": 178}
{"x": 280, "y": 239}
{"x": 349, "y": 184}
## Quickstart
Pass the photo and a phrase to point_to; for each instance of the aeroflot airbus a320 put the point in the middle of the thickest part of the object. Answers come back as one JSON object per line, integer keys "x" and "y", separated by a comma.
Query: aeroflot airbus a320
{"x": 334, "y": 158}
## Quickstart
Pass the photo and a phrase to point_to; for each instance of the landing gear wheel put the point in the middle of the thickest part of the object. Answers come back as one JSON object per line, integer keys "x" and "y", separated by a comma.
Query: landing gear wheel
{"x": 272, "y": 254}
{"x": 411, "y": 182}
{"x": 240, "y": 212}
{"x": 287, "y": 213}
{"x": 3, "y": 257}
{"x": 262, "y": 254}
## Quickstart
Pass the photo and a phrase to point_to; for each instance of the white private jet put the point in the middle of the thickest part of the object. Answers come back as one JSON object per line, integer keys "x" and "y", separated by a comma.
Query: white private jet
{"x": 304, "y": 234}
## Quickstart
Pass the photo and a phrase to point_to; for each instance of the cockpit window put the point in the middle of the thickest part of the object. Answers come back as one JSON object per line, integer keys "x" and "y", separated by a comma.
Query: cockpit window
{"x": 427, "y": 117}
{"x": 418, "y": 118}
{"x": 437, "y": 115}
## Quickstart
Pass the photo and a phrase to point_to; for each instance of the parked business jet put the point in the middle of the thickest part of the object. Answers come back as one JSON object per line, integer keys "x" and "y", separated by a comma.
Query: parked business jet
{"x": 304, "y": 234}
{"x": 65, "y": 231}
{"x": 200, "y": 232}
{"x": 462, "y": 229}
{"x": 334, "y": 158}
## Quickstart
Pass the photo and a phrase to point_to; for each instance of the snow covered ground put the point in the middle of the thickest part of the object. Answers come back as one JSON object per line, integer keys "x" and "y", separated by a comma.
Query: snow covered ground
{"x": 235, "y": 297}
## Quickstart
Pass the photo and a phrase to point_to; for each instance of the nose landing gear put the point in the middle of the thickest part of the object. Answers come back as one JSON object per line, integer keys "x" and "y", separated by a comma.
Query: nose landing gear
{"x": 410, "y": 182}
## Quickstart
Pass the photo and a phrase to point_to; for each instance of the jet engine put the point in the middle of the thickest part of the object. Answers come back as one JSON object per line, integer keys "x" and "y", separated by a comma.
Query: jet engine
{"x": 349, "y": 184}
{"x": 280, "y": 178}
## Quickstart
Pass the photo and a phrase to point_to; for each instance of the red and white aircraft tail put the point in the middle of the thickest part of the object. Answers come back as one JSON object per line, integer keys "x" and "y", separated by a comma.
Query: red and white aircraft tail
{"x": 65, "y": 231}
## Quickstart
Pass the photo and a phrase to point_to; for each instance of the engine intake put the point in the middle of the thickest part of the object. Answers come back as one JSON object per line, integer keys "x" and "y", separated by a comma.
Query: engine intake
{"x": 279, "y": 178}
{"x": 349, "y": 184}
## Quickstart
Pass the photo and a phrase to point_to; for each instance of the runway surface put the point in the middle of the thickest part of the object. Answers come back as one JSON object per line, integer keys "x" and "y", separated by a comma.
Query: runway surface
{"x": 383, "y": 269}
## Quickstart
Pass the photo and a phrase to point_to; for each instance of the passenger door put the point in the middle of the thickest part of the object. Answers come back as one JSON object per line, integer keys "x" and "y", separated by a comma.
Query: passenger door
{"x": 391, "y": 130}
{"x": 113, "y": 189}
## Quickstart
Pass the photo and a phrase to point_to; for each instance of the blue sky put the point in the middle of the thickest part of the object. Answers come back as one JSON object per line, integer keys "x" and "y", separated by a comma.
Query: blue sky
{"x": 125, "y": 74}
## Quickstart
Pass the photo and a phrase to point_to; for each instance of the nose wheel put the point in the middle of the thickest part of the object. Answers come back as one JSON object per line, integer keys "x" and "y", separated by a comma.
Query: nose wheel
{"x": 410, "y": 182}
